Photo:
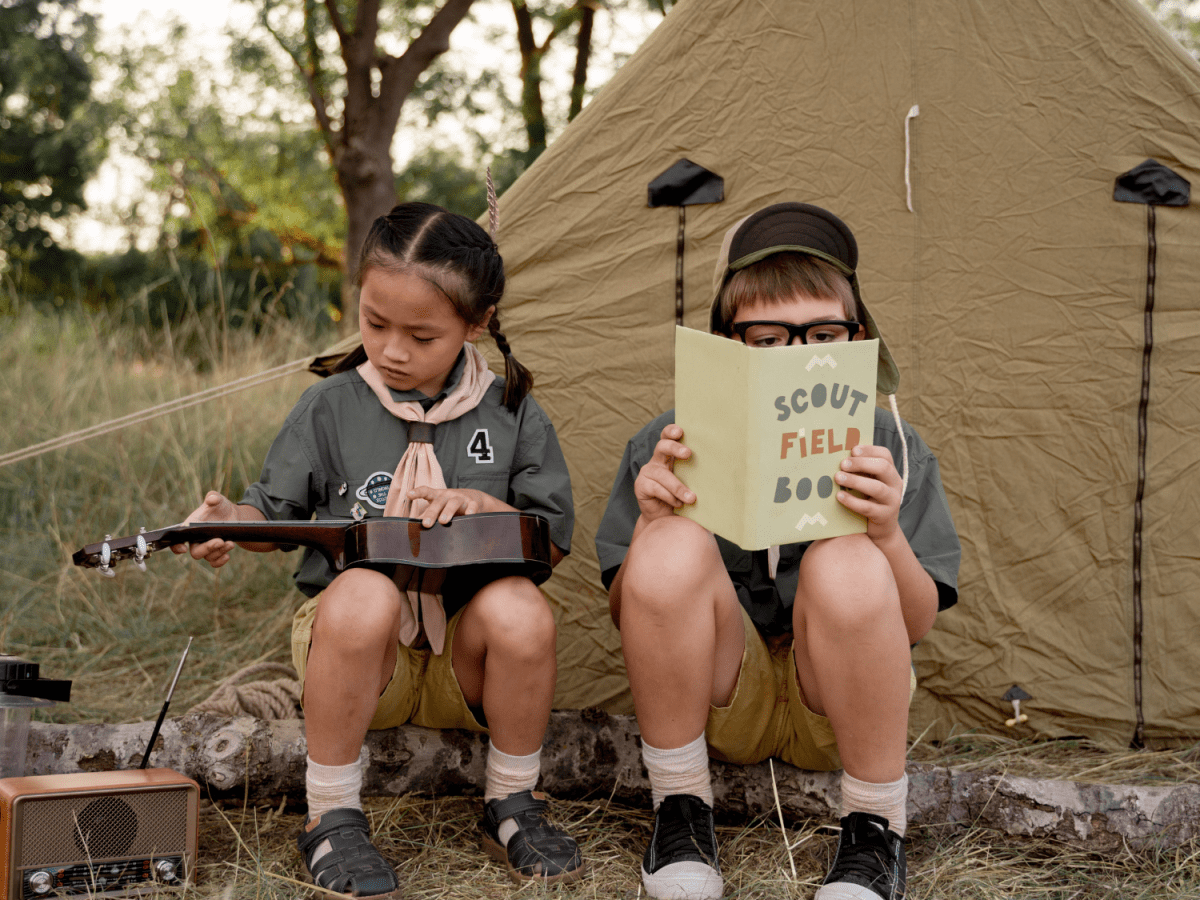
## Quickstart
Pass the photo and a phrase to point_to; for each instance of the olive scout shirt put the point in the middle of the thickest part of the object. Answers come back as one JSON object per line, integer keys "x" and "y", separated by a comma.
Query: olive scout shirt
{"x": 924, "y": 519}
{"x": 337, "y": 451}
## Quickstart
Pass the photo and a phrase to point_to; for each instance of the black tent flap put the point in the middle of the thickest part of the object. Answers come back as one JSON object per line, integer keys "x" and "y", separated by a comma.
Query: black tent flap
{"x": 686, "y": 184}
{"x": 1152, "y": 183}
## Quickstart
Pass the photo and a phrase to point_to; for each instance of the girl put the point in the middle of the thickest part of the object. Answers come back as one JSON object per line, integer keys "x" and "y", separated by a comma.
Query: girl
{"x": 368, "y": 656}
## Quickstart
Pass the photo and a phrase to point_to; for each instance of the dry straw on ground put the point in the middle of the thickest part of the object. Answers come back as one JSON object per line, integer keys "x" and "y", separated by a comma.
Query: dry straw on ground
{"x": 433, "y": 844}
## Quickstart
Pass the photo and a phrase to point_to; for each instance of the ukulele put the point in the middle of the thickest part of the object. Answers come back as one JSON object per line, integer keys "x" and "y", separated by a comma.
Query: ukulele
{"x": 464, "y": 555}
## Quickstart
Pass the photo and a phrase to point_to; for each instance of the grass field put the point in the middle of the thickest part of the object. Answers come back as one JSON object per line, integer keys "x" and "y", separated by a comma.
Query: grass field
{"x": 118, "y": 640}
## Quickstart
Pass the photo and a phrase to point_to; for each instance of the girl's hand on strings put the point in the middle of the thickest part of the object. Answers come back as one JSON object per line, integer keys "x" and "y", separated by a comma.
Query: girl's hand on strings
{"x": 215, "y": 508}
{"x": 659, "y": 492}
{"x": 446, "y": 503}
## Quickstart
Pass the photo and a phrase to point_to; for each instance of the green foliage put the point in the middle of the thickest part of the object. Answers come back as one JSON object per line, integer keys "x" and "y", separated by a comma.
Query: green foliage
{"x": 161, "y": 291}
{"x": 1182, "y": 19}
{"x": 50, "y": 136}
{"x": 438, "y": 176}
{"x": 228, "y": 168}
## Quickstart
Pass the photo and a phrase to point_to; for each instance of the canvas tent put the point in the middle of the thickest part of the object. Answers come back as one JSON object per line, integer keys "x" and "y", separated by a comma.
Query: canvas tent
{"x": 1009, "y": 284}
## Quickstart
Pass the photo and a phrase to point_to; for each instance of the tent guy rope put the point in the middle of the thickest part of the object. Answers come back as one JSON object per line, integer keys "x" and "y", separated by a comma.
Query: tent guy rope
{"x": 153, "y": 412}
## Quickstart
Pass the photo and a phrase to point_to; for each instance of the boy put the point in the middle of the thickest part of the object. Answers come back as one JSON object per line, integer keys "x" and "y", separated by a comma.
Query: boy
{"x": 801, "y": 651}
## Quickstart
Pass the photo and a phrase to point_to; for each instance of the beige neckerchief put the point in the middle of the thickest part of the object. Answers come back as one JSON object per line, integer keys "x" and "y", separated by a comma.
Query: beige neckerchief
{"x": 418, "y": 467}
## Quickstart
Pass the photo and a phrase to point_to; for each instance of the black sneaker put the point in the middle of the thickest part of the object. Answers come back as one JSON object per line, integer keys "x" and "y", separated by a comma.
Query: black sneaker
{"x": 870, "y": 860}
{"x": 681, "y": 861}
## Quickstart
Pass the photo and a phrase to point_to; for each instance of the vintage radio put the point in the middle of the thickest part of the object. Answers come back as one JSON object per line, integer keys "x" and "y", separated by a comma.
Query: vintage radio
{"x": 96, "y": 834}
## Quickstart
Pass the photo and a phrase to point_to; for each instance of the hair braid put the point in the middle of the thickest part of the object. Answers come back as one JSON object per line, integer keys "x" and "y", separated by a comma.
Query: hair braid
{"x": 518, "y": 380}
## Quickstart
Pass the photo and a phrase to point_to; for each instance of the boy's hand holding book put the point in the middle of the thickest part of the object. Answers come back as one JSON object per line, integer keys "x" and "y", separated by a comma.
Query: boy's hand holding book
{"x": 659, "y": 492}
{"x": 871, "y": 471}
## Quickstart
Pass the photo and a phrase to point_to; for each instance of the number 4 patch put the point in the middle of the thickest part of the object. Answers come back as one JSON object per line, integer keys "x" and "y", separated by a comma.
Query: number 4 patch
{"x": 480, "y": 447}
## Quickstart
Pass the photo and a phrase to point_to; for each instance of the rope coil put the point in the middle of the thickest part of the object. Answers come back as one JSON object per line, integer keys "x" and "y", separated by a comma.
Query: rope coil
{"x": 277, "y": 699}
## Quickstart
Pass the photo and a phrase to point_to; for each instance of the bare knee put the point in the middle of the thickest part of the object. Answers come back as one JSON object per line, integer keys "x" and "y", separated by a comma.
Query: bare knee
{"x": 846, "y": 581}
{"x": 672, "y": 562}
{"x": 513, "y": 617}
{"x": 361, "y": 607}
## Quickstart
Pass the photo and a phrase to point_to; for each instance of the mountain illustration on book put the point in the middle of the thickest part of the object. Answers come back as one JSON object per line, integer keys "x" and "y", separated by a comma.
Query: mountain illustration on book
{"x": 768, "y": 430}
{"x": 806, "y": 519}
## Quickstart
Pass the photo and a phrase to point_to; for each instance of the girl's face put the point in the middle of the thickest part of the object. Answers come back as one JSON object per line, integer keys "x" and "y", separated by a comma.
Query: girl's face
{"x": 410, "y": 331}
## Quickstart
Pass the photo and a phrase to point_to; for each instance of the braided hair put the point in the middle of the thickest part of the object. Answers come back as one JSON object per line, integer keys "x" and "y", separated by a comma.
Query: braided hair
{"x": 459, "y": 259}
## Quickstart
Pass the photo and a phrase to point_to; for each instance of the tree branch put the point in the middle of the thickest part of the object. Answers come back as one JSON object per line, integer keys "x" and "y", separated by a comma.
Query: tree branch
{"x": 589, "y": 754}
{"x": 398, "y": 75}
{"x": 583, "y": 50}
{"x": 335, "y": 19}
{"x": 316, "y": 97}
{"x": 525, "y": 40}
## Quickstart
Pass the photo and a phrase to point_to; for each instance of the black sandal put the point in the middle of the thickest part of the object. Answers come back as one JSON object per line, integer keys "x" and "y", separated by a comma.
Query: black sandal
{"x": 353, "y": 866}
{"x": 538, "y": 851}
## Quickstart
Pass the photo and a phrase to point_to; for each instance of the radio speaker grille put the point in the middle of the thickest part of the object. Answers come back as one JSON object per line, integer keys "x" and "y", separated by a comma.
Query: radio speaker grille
{"x": 105, "y": 826}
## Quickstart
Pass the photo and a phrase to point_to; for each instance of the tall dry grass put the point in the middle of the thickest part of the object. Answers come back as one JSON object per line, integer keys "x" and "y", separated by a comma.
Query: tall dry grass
{"x": 119, "y": 639}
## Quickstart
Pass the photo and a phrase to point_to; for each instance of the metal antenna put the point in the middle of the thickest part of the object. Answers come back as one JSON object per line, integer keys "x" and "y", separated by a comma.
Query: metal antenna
{"x": 163, "y": 713}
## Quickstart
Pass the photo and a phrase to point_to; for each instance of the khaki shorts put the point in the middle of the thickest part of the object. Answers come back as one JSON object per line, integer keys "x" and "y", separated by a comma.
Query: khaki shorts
{"x": 766, "y": 717}
{"x": 423, "y": 689}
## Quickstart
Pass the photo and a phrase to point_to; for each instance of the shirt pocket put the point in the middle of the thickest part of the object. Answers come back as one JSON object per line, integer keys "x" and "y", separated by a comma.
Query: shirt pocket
{"x": 493, "y": 482}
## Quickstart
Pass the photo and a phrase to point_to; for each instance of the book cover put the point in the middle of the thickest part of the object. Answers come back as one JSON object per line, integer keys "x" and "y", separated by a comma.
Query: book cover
{"x": 768, "y": 429}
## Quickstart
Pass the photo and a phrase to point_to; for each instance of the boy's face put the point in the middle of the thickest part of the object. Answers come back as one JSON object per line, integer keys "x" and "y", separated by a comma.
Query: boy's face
{"x": 411, "y": 333}
{"x": 825, "y": 316}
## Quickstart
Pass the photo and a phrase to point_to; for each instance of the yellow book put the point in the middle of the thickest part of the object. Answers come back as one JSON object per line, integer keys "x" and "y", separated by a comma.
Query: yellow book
{"x": 768, "y": 430}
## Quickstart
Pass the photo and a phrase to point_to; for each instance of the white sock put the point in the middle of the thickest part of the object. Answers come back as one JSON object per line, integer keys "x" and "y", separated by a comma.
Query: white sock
{"x": 507, "y": 774}
{"x": 683, "y": 770}
{"x": 333, "y": 787}
{"x": 889, "y": 800}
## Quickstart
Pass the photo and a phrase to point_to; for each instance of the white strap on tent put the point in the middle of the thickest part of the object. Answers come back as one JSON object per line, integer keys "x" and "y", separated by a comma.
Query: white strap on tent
{"x": 903, "y": 446}
{"x": 912, "y": 114}
{"x": 162, "y": 409}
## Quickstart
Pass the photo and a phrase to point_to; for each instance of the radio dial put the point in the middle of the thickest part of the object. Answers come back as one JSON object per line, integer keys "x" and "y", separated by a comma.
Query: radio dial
{"x": 41, "y": 882}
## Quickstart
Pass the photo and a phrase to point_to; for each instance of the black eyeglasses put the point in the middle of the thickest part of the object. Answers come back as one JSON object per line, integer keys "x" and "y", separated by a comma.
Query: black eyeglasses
{"x": 783, "y": 334}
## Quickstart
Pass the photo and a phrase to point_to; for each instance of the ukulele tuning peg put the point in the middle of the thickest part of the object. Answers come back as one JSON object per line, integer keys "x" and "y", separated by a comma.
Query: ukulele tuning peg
{"x": 105, "y": 567}
{"x": 141, "y": 552}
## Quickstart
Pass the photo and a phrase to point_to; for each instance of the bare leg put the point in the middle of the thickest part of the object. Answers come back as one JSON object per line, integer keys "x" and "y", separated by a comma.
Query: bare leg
{"x": 683, "y": 640}
{"x": 852, "y": 653}
{"x": 350, "y": 662}
{"x": 681, "y": 630}
{"x": 504, "y": 660}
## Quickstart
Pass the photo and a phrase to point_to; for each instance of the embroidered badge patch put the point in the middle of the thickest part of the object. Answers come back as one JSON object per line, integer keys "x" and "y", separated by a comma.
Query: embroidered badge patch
{"x": 375, "y": 489}
{"x": 479, "y": 448}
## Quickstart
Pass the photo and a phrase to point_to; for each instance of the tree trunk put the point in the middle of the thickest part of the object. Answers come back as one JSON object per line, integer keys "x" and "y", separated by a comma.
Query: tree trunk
{"x": 590, "y": 754}
{"x": 369, "y": 189}
{"x": 583, "y": 50}
{"x": 361, "y": 143}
